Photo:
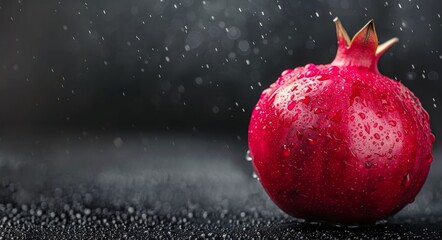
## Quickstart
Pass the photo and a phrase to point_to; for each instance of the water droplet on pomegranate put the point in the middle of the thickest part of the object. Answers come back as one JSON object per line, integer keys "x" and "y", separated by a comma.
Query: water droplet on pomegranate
{"x": 295, "y": 117}
{"x": 272, "y": 98}
{"x": 377, "y": 136}
{"x": 430, "y": 159}
{"x": 312, "y": 141}
{"x": 392, "y": 123}
{"x": 362, "y": 115}
{"x": 317, "y": 110}
{"x": 379, "y": 114}
{"x": 311, "y": 67}
{"x": 389, "y": 156}
{"x": 248, "y": 156}
{"x": 299, "y": 134}
{"x": 323, "y": 77}
{"x": 291, "y": 105}
{"x": 333, "y": 70}
{"x": 352, "y": 118}
{"x": 310, "y": 73}
{"x": 432, "y": 138}
{"x": 407, "y": 180}
{"x": 367, "y": 128}
{"x": 305, "y": 100}
{"x": 369, "y": 163}
{"x": 299, "y": 76}
{"x": 265, "y": 92}
{"x": 280, "y": 81}
{"x": 301, "y": 152}
{"x": 285, "y": 151}
{"x": 285, "y": 72}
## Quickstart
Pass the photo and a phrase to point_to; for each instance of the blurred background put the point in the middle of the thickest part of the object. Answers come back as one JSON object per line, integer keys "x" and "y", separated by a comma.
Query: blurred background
{"x": 189, "y": 64}
{"x": 110, "y": 104}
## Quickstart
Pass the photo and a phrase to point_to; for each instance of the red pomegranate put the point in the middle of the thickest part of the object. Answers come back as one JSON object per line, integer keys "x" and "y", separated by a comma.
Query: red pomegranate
{"x": 341, "y": 142}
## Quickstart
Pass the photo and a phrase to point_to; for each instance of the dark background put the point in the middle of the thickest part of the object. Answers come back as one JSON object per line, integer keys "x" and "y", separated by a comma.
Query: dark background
{"x": 189, "y": 64}
{"x": 128, "y": 119}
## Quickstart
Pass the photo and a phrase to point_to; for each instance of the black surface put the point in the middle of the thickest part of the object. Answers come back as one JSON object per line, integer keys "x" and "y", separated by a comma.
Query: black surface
{"x": 135, "y": 186}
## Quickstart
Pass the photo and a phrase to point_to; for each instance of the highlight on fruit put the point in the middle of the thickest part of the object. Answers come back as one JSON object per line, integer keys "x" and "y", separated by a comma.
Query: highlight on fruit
{"x": 341, "y": 142}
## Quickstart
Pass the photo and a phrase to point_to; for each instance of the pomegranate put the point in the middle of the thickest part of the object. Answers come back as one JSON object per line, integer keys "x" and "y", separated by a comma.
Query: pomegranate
{"x": 341, "y": 142}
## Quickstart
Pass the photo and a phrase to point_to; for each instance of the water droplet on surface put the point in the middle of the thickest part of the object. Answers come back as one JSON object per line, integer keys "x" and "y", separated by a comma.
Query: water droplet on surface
{"x": 333, "y": 70}
{"x": 362, "y": 115}
{"x": 248, "y": 156}
{"x": 392, "y": 123}
{"x": 310, "y": 73}
{"x": 377, "y": 136}
{"x": 407, "y": 180}
{"x": 432, "y": 138}
{"x": 311, "y": 67}
{"x": 255, "y": 176}
{"x": 369, "y": 163}
{"x": 312, "y": 141}
{"x": 301, "y": 152}
{"x": 285, "y": 151}
{"x": 367, "y": 128}
{"x": 317, "y": 110}
{"x": 323, "y": 77}
{"x": 305, "y": 100}
{"x": 285, "y": 72}
{"x": 291, "y": 105}
{"x": 299, "y": 134}
{"x": 430, "y": 159}
{"x": 280, "y": 81}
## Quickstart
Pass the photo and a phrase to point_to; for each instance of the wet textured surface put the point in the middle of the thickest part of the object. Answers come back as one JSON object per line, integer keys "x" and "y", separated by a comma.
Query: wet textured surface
{"x": 87, "y": 186}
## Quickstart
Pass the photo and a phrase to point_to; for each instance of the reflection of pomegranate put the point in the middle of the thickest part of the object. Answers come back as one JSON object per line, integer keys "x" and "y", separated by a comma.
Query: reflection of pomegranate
{"x": 341, "y": 142}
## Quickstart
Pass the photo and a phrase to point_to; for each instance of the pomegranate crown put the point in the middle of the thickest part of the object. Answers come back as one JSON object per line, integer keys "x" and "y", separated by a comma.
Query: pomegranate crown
{"x": 361, "y": 51}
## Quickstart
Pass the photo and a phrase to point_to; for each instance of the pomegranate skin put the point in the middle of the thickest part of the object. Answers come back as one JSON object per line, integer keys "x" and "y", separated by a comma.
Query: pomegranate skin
{"x": 340, "y": 143}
